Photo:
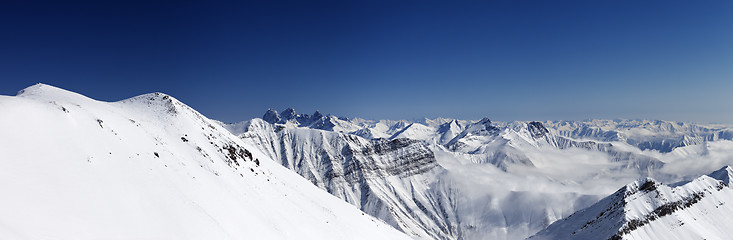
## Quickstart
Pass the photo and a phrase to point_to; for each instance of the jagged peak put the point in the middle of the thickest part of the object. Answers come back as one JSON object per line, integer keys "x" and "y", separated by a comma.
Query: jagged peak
{"x": 300, "y": 119}
{"x": 537, "y": 129}
{"x": 483, "y": 125}
{"x": 317, "y": 114}
{"x": 271, "y": 116}
{"x": 450, "y": 125}
{"x": 484, "y": 121}
{"x": 289, "y": 113}
{"x": 645, "y": 185}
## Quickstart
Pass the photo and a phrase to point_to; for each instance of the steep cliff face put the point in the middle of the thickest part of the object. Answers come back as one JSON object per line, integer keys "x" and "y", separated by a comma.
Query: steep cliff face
{"x": 338, "y": 155}
{"x": 387, "y": 178}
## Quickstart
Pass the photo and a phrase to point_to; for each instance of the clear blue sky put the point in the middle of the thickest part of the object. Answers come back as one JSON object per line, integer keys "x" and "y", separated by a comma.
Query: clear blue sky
{"x": 509, "y": 60}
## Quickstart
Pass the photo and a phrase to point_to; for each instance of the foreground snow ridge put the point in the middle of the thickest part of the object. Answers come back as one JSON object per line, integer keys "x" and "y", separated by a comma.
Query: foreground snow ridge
{"x": 150, "y": 167}
{"x": 646, "y": 209}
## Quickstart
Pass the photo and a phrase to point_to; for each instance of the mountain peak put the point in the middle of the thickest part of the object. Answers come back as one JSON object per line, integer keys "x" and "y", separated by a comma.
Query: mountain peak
{"x": 644, "y": 184}
{"x": 50, "y": 93}
{"x": 317, "y": 115}
{"x": 483, "y": 125}
{"x": 288, "y": 114}
{"x": 155, "y": 97}
{"x": 160, "y": 103}
{"x": 484, "y": 121}
{"x": 38, "y": 87}
{"x": 537, "y": 129}
{"x": 271, "y": 116}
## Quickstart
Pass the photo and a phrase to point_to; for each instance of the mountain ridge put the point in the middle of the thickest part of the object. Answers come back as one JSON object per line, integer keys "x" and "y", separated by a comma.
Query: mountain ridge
{"x": 634, "y": 210}
{"x": 150, "y": 167}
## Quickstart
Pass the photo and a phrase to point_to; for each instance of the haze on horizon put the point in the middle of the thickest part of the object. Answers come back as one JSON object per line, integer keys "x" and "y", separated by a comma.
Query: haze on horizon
{"x": 508, "y": 60}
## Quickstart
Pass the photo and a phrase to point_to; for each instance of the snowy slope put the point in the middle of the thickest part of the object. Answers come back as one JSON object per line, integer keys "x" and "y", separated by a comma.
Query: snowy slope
{"x": 646, "y": 209}
{"x": 150, "y": 167}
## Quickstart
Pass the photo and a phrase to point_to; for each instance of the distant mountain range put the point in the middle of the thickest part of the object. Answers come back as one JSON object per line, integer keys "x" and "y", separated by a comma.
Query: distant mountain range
{"x": 462, "y": 179}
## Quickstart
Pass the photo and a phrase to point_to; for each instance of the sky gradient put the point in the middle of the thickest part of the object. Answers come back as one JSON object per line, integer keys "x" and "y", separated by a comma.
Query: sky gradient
{"x": 508, "y": 60}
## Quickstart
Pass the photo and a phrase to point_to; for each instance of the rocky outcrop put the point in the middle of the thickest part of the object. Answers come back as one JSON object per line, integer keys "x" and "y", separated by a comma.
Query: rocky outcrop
{"x": 271, "y": 116}
{"x": 537, "y": 130}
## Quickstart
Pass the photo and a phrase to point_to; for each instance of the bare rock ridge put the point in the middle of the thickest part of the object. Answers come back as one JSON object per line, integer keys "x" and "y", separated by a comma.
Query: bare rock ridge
{"x": 537, "y": 129}
{"x": 289, "y": 115}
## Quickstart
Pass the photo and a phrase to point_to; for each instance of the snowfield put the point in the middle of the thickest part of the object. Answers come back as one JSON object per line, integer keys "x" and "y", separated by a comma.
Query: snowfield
{"x": 150, "y": 167}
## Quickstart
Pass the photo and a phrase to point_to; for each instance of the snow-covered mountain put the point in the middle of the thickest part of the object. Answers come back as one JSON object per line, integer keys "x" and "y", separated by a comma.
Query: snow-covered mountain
{"x": 389, "y": 179}
{"x": 150, "y": 167}
{"x": 460, "y": 179}
{"x": 647, "y": 209}
{"x": 663, "y": 136}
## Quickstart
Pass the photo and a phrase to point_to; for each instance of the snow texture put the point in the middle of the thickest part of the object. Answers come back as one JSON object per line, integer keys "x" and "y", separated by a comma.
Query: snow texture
{"x": 150, "y": 167}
